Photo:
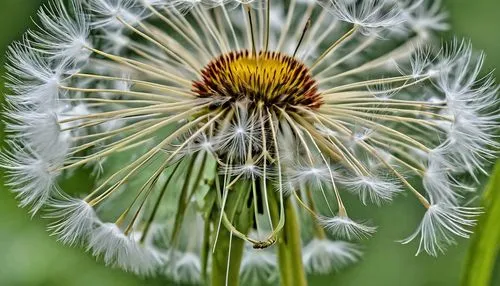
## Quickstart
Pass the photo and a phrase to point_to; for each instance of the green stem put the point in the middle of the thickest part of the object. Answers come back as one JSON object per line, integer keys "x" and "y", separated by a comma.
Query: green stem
{"x": 319, "y": 231}
{"x": 229, "y": 248}
{"x": 283, "y": 260}
{"x": 182, "y": 204}
{"x": 483, "y": 252}
{"x": 291, "y": 238}
{"x": 291, "y": 268}
{"x": 220, "y": 259}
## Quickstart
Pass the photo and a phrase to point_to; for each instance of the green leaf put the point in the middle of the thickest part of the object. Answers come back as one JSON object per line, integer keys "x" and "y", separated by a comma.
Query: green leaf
{"x": 483, "y": 253}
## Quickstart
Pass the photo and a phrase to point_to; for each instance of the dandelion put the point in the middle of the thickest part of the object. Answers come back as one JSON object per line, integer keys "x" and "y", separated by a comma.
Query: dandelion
{"x": 219, "y": 131}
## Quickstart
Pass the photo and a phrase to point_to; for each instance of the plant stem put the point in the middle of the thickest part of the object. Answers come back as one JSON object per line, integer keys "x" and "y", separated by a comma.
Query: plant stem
{"x": 291, "y": 268}
{"x": 228, "y": 253}
{"x": 485, "y": 246}
{"x": 293, "y": 244}
{"x": 319, "y": 231}
{"x": 220, "y": 259}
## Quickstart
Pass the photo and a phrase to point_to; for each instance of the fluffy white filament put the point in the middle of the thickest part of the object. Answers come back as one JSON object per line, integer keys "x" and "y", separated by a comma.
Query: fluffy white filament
{"x": 346, "y": 228}
{"x": 30, "y": 175}
{"x": 75, "y": 220}
{"x": 117, "y": 249}
{"x": 184, "y": 267}
{"x": 372, "y": 189}
{"x": 440, "y": 225}
{"x": 322, "y": 256}
{"x": 258, "y": 266}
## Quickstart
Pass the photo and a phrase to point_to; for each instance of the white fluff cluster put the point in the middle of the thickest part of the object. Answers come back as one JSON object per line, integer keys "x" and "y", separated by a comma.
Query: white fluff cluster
{"x": 370, "y": 14}
{"x": 115, "y": 14}
{"x": 63, "y": 36}
{"x": 29, "y": 175}
{"x": 346, "y": 228}
{"x": 259, "y": 266}
{"x": 372, "y": 189}
{"x": 179, "y": 106}
{"x": 440, "y": 224}
{"x": 76, "y": 222}
{"x": 117, "y": 249}
{"x": 322, "y": 256}
{"x": 184, "y": 267}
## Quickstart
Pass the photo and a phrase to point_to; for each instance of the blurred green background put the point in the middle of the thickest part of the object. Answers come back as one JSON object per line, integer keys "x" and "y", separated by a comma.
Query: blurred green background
{"x": 29, "y": 256}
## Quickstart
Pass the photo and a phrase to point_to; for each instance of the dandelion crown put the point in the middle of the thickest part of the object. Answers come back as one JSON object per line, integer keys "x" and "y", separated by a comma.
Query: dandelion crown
{"x": 221, "y": 138}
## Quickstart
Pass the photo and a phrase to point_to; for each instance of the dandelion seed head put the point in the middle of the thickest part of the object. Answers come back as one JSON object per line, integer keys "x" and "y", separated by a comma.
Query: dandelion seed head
{"x": 207, "y": 123}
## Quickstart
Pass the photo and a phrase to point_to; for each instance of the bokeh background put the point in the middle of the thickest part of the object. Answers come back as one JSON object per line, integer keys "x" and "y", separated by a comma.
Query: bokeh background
{"x": 29, "y": 256}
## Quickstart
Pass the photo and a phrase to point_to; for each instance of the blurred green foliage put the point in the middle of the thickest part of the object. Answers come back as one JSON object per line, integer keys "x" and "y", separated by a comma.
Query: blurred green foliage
{"x": 29, "y": 256}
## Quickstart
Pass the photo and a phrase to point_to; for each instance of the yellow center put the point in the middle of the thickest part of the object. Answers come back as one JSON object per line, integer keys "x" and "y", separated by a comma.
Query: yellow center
{"x": 268, "y": 77}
